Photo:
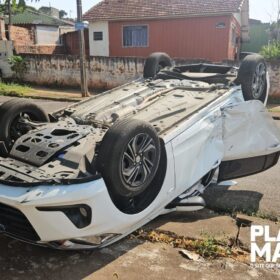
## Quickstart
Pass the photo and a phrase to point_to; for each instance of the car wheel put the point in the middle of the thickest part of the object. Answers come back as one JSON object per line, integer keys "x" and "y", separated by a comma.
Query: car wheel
{"x": 12, "y": 116}
{"x": 252, "y": 76}
{"x": 129, "y": 157}
{"x": 154, "y": 63}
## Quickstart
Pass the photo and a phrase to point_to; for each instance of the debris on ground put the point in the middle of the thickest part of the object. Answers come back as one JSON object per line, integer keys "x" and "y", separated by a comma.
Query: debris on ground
{"x": 191, "y": 255}
{"x": 208, "y": 248}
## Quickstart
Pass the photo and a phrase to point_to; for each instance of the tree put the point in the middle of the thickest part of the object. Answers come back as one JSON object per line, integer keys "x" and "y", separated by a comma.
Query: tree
{"x": 17, "y": 6}
{"x": 62, "y": 14}
{"x": 21, "y": 4}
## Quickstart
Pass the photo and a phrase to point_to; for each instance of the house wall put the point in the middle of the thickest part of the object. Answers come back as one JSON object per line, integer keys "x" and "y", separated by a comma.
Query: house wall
{"x": 99, "y": 48}
{"x": 234, "y": 41}
{"x": 189, "y": 38}
{"x": 22, "y": 35}
{"x": 47, "y": 35}
{"x": 71, "y": 42}
{"x": 25, "y": 42}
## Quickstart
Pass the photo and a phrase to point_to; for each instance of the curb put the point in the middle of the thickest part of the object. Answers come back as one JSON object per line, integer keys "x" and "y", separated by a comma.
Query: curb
{"x": 58, "y": 99}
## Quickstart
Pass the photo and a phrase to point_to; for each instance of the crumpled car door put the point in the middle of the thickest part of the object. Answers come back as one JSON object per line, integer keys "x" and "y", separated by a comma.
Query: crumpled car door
{"x": 251, "y": 140}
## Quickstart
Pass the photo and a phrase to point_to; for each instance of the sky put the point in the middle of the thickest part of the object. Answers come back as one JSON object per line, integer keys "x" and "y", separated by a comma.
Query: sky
{"x": 264, "y": 10}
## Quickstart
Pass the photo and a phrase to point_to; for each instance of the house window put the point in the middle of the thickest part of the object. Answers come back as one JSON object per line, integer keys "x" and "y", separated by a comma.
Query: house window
{"x": 220, "y": 25}
{"x": 135, "y": 36}
{"x": 98, "y": 36}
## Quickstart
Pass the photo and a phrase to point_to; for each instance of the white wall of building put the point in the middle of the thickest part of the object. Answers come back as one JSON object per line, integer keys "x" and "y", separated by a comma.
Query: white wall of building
{"x": 47, "y": 35}
{"x": 99, "y": 48}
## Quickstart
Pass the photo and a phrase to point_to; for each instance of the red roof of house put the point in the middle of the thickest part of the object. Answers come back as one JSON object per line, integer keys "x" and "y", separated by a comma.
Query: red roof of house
{"x": 137, "y": 9}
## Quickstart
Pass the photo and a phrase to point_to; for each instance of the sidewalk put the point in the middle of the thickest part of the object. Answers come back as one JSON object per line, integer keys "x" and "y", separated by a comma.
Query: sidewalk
{"x": 136, "y": 257}
{"x": 275, "y": 110}
{"x": 56, "y": 94}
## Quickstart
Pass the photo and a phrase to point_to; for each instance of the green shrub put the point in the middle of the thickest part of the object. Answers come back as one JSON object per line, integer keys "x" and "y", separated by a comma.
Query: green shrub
{"x": 271, "y": 51}
{"x": 18, "y": 65}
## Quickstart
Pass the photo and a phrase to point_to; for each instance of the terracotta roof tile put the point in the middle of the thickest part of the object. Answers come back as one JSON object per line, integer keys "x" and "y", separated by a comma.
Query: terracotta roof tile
{"x": 137, "y": 9}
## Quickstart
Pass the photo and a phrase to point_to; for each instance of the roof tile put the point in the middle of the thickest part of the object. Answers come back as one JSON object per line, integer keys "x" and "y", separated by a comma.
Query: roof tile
{"x": 137, "y": 9}
{"x": 34, "y": 17}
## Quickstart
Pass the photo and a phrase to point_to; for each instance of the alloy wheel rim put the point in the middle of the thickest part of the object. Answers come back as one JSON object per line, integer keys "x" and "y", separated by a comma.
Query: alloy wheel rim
{"x": 138, "y": 160}
{"x": 259, "y": 79}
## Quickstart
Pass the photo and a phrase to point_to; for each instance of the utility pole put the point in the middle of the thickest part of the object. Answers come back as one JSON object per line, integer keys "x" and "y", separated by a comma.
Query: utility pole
{"x": 278, "y": 23}
{"x": 84, "y": 85}
{"x": 10, "y": 18}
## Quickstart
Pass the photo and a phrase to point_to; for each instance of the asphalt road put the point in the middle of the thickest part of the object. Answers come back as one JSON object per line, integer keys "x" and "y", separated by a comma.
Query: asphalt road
{"x": 49, "y": 106}
{"x": 258, "y": 194}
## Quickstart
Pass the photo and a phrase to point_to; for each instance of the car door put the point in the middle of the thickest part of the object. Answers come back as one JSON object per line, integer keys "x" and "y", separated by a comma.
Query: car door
{"x": 251, "y": 140}
{"x": 198, "y": 150}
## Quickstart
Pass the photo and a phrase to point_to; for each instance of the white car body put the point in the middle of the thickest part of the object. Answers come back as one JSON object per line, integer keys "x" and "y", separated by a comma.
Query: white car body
{"x": 55, "y": 187}
{"x": 197, "y": 145}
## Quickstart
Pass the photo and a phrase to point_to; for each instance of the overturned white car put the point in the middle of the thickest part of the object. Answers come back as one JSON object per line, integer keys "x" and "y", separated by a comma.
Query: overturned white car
{"x": 86, "y": 176}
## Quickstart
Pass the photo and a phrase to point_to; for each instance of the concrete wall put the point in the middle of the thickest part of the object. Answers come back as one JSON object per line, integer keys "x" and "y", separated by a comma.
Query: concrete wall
{"x": 6, "y": 51}
{"x": 2, "y": 29}
{"x": 64, "y": 71}
{"x": 99, "y": 48}
{"x": 104, "y": 72}
{"x": 274, "y": 72}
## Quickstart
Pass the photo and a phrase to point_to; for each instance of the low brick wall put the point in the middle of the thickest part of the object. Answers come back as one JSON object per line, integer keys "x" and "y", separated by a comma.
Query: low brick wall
{"x": 105, "y": 72}
{"x": 274, "y": 74}
{"x": 39, "y": 49}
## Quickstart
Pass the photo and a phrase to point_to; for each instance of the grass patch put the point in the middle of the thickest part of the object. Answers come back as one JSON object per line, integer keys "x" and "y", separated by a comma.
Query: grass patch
{"x": 233, "y": 212}
{"x": 14, "y": 90}
{"x": 207, "y": 247}
{"x": 273, "y": 100}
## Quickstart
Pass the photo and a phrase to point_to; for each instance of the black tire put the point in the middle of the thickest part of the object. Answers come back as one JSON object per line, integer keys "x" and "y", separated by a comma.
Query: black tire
{"x": 155, "y": 62}
{"x": 10, "y": 112}
{"x": 123, "y": 167}
{"x": 252, "y": 77}
{"x": 242, "y": 55}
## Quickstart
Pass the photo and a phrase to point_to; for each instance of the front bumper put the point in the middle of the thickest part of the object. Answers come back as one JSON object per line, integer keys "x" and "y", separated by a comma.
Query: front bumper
{"x": 54, "y": 229}
{"x": 21, "y": 219}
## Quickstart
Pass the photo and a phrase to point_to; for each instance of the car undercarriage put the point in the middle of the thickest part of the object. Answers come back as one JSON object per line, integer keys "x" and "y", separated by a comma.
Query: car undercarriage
{"x": 64, "y": 150}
